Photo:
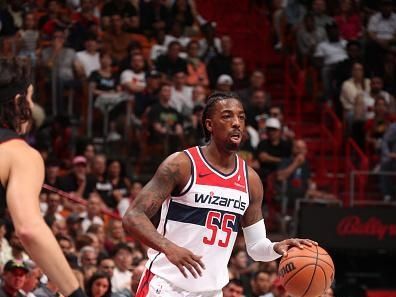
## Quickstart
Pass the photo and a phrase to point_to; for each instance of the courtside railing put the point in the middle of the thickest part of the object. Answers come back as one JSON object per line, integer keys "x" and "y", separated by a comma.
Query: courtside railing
{"x": 355, "y": 160}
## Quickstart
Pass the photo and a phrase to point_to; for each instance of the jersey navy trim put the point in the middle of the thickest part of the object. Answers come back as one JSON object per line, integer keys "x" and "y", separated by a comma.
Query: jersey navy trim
{"x": 236, "y": 167}
{"x": 247, "y": 179}
{"x": 195, "y": 215}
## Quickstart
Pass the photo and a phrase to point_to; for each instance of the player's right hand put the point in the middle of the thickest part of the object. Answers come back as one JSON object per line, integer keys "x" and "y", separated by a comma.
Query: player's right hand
{"x": 185, "y": 259}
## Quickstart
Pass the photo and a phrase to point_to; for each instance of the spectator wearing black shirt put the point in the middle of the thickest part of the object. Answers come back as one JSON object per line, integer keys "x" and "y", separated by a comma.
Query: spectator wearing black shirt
{"x": 238, "y": 73}
{"x": 171, "y": 63}
{"x": 120, "y": 184}
{"x": 272, "y": 151}
{"x": 165, "y": 121}
{"x": 182, "y": 12}
{"x": 221, "y": 63}
{"x": 123, "y": 8}
{"x": 257, "y": 81}
{"x": 78, "y": 181}
{"x": 154, "y": 15}
{"x": 150, "y": 94}
{"x": 257, "y": 105}
{"x": 104, "y": 80}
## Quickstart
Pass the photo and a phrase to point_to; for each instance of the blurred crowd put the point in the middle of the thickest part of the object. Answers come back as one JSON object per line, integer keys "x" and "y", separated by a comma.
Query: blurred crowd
{"x": 143, "y": 70}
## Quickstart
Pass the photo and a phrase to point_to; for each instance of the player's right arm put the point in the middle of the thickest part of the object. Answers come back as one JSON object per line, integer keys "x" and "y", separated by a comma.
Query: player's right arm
{"x": 172, "y": 175}
{"x": 23, "y": 176}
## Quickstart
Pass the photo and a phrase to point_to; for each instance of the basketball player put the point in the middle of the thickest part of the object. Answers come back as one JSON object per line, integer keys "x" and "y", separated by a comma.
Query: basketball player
{"x": 205, "y": 193}
{"x": 22, "y": 175}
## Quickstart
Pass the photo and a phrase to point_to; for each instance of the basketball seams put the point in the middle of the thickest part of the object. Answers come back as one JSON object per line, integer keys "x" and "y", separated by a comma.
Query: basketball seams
{"x": 299, "y": 256}
{"x": 295, "y": 272}
{"x": 325, "y": 276}
{"x": 313, "y": 273}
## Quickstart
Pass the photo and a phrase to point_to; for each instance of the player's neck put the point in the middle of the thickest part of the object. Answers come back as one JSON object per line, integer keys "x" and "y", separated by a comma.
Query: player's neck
{"x": 217, "y": 156}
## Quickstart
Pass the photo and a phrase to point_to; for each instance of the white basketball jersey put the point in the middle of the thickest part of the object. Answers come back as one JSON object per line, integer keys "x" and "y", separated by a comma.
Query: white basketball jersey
{"x": 204, "y": 218}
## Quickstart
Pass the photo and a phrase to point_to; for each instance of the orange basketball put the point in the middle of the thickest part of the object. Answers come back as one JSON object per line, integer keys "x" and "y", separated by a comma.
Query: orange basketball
{"x": 306, "y": 272}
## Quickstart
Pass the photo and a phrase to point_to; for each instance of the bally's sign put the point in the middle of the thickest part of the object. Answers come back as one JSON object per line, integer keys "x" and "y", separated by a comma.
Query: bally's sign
{"x": 372, "y": 227}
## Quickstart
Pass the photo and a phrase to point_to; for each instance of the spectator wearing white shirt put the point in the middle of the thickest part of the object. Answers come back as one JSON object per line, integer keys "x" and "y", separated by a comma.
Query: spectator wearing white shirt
{"x": 329, "y": 53}
{"x": 159, "y": 48}
{"x": 122, "y": 256}
{"x": 125, "y": 202}
{"x": 181, "y": 95}
{"x": 382, "y": 32}
{"x": 133, "y": 80}
{"x": 176, "y": 34}
{"x": 88, "y": 60}
{"x": 92, "y": 215}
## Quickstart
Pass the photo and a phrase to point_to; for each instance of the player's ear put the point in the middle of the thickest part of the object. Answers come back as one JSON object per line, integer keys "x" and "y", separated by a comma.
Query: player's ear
{"x": 208, "y": 125}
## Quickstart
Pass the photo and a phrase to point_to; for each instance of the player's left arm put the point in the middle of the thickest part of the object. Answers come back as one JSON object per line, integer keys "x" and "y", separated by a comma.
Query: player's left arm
{"x": 258, "y": 246}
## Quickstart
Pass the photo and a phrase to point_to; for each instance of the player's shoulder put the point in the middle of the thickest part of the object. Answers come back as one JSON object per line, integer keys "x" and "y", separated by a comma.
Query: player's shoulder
{"x": 18, "y": 149}
{"x": 179, "y": 161}
{"x": 253, "y": 176}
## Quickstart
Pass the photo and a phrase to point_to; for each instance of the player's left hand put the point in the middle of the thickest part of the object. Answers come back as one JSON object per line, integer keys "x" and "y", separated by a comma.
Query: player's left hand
{"x": 283, "y": 246}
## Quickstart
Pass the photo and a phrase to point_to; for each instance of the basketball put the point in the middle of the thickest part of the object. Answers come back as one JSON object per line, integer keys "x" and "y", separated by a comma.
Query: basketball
{"x": 306, "y": 272}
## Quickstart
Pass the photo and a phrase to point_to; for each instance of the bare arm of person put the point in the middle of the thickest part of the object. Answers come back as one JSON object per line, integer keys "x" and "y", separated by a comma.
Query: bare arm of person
{"x": 26, "y": 175}
{"x": 171, "y": 175}
{"x": 265, "y": 157}
{"x": 258, "y": 246}
{"x": 284, "y": 174}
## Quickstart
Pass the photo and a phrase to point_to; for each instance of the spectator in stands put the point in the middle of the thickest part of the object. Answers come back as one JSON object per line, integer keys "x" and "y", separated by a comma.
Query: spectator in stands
{"x": 165, "y": 121}
{"x": 260, "y": 283}
{"x": 116, "y": 40}
{"x": 381, "y": 32}
{"x": 295, "y": 172}
{"x": 220, "y": 63}
{"x": 62, "y": 61}
{"x": 171, "y": 63}
{"x": 257, "y": 81}
{"x": 74, "y": 227}
{"x": 106, "y": 265}
{"x": 349, "y": 21}
{"x": 272, "y": 151}
{"x": 115, "y": 234}
{"x": 47, "y": 288}
{"x": 196, "y": 69}
{"x": 182, "y": 12}
{"x": 199, "y": 95}
{"x": 84, "y": 24}
{"x": 277, "y": 289}
{"x": 133, "y": 79}
{"x": 238, "y": 74}
{"x": 122, "y": 256}
{"x": 66, "y": 244}
{"x": 308, "y": 37}
{"x": 210, "y": 45}
{"x": 238, "y": 264}
{"x": 89, "y": 152}
{"x": 28, "y": 37}
{"x": 276, "y": 111}
{"x": 56, "y": 18}
{"x": 31, "y": 280}
{"x": 88, "y": 60}
{"x": 376, "y": 90}
{"x": 154, "y": 15}
{"x": 176, "y": 34}
{"x": 224, "y": 83}
{"x": 55, "y": 207}
{"x": 388, "y": 163}
{"x": 343, "y": 69}
{"x": 78, "y": 181}
{"x": 328, "y": 293}
{"x": 124, "y": 9}
{"x": 330, "y": 53}
{"x": 158, "y": 48}
{"x": 103, "y": 185}
{"x": 181, "y": 95}
{"x": 234, "y": 288}
{"x": 14, "y": 277}
{"x": 388, "y": 71}
{"x": 88, "y": 256}
{"x": 136, "y": 276}
{"x": 98, "y": 285}
{"x": 52, "y": 173}
{"x": 120, "y": 184}
{"x": 149, "y": 95}
{"x": 257, "y": 106}
{"x": 124, "y": 203}
{"x": 376, "y": 127}
{"x": 92, "y": 215}
{"x": 319, "y": 9}
{"x": 350, "y": 90}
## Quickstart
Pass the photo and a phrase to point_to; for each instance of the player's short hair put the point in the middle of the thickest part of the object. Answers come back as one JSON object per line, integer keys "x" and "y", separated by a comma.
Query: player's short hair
{"x": 209, "y": 107}
{"x": 14, "y": 80}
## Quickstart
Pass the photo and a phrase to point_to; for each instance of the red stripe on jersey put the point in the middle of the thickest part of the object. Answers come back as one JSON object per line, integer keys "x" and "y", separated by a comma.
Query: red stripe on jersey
{"x": 144, "y": 284}
{"x": 208, "y": 176}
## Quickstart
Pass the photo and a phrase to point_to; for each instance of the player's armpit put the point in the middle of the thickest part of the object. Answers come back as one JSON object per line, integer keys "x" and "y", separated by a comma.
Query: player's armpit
{"x": 253, "y": 213}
